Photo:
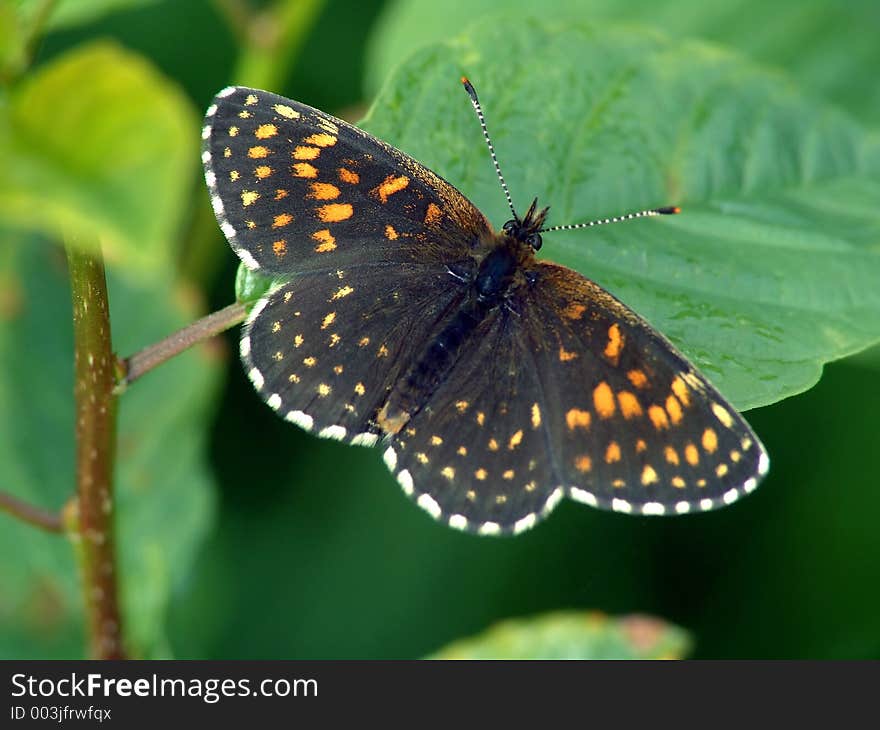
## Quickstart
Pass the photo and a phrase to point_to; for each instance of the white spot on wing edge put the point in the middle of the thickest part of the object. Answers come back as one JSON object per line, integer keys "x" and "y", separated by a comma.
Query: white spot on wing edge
{"x": 705, "y": 504}
{"x": 256, "y": 378}
{"x": 621, "y": 505}
{"x": 525, "y": 523}
{"x": 244, "y": 346}
{"x": 333, "y": 432}
{"x": 206, "y": 131}
{"x": 228, "y": 91}
{"x": 763, "y": 463}
{"x": 404, "y": 479}
{"x": 653, "y": 508}
{"x": 365, "y": 439}
{"x": 245, "y": 256}
{"x": 683, "y": 508}
{"x": 458, "y": 522}
{"x": 750, "y": 485}
{"x": 429, "y": 504}
{"x": 489, "y": 528}
{"x": 552, "y": 500}
{"x": 206, "y": 158}
{"x": 583, "y": 496}
{"x": 274, "y": 401}
{"x": 303, "y": 420}
{"x": 390, "y": 458}
{"x": 211, "y": 111}
{"x": 730, "y": 496}
{"x": 256, "y": 309}
{"x": 210, "y": 177}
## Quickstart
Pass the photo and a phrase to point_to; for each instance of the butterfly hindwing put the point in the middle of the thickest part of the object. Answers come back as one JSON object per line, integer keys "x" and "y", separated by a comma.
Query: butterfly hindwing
{"x": 477, "y": 456}
{"x": 295, "y": 189}
{"x": 325, "y": 348}
{"x": 633, "y": 426}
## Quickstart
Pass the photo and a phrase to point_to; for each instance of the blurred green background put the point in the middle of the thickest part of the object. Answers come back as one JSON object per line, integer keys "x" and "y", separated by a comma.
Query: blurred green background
{"x": 243, "y": 537}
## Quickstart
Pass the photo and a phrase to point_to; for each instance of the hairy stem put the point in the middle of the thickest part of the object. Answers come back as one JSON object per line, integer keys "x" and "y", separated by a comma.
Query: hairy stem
{"x": 142, "y": 362}
{"x": 93, "y": 516}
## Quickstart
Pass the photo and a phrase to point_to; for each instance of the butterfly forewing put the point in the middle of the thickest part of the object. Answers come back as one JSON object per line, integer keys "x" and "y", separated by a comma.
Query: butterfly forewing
{"x": 295, "y": 189}
{"x": 632, "y": 425}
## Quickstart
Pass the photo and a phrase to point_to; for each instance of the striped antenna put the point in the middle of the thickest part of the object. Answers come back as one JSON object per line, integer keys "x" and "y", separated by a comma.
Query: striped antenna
{"x": 469, "y": 88}
{"x": 668, "y": 210}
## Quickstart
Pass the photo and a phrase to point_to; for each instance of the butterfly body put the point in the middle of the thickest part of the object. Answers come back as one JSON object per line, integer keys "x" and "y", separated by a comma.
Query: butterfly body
{"x": 495, "y": 382}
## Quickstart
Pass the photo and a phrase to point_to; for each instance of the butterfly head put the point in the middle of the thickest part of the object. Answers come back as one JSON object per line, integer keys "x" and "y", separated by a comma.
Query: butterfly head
{"x": 527, "y": 229}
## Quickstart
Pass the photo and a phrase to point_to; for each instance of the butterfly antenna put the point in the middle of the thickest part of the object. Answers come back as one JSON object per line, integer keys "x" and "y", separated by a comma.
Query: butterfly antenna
{"x": 469, "y": 88}
{"x": 668, "y": 210}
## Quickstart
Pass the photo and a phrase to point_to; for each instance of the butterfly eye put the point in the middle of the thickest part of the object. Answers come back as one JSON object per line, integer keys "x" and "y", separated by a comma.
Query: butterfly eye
{"x": 509, "y": 227}
{"x": 534, "y": 241}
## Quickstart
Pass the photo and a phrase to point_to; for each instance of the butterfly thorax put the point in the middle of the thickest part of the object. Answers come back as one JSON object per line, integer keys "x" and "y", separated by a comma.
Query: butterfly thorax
{"x": 497, "y": 274}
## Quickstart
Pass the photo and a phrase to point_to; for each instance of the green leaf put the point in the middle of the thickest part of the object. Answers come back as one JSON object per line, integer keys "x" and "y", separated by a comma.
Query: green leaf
{"x": 164, "y": 491}
{"x": 772, "y": 268}
{"x": 828, "y": 46}
{"x": 69, "y": 13}
{"x": 574, "y": 635}
{"x": 100, "y": 145}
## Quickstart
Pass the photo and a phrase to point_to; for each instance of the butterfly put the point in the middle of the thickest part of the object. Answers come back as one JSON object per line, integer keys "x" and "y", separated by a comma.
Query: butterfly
{"x": 495, "y": 383}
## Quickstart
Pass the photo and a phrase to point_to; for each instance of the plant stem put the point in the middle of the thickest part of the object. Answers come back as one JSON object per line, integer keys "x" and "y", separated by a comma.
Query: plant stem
{"x": 37, "y": 516}
{"x": 142, "y": 362}
{"x": 95, "y": 450}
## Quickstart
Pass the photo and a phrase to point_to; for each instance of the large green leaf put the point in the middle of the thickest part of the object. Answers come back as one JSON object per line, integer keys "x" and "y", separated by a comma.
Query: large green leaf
{"x": 772, "y": 268}
{"x": 164, "y": 490}
{"x": 827, "y": 45}
{"x": 98, "y": 144}
{"x": 573, "y": 635}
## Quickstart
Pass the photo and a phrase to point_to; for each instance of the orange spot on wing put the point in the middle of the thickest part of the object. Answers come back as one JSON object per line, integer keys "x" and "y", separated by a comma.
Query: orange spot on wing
{"x": 432, "y": 214}
{"x": 681, "y": 392}
{"x": 323, "y": 191}
{"x": 347, "y": 176}
{"x": 658, "y": 417}
{"x": 641, "y": 446}
{"x": 262, "y": 171}
{"x": 326, "y": 241}
{"x": 583, "y": 463}
{"x": 264, "y": 131}
{"x": 390, "y": 233}
{"x": 279, "y": 248}
{"x": 390, "y": 185}
{"x": 673, "y": 408}
{"x": 574, "y": 310}
{"x": 629, "y": 404}
{"x": 671, "y": 455}
{"x": 637, "y": 378}
{"x": 335, "y": 212}
{"x": 282, "y": 220}
{"x": 691, "y": 455}
{"x": 306, "y": 153}
{"x": 281, "y": 194}
{"x": 603, "y": 399}
{"x": 304, "y": 169}
{"x": 710, "y": 441}
{"x": 321, "y": 140}
{"x": 615, "y": 344}
{"x": 258, "y": 153}
{"x": 565, "y": 355}
{"x": 612, "y": 453}
{"x": 577, "y": 418}
{"x": 649, "y": 476}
